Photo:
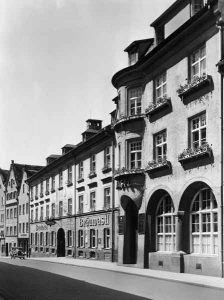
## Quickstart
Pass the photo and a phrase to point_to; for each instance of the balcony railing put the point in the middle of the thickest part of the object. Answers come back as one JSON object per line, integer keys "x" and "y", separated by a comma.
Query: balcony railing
{"x": 124, "y": 119}
{"x": 194, "y": 85}
{"x": 124, "y": 172}
{"x": 190, "y": 154}
{"x": 154, "y": 165}
{"x": 161, "y": 103}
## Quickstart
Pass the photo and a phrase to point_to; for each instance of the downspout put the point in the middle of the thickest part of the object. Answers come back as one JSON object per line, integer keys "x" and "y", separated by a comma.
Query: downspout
{"x": 220, "y": 25}
{"x": 113, "y": 203}
{"x": 75, "y": 208}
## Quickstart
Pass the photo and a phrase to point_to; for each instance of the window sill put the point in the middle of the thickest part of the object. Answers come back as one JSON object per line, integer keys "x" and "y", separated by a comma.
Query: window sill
{"x": 81, "y": 179}
{"x": 92, "y": 175}
{"x": 69, "y": 184}
{"x": 60, "y": 188}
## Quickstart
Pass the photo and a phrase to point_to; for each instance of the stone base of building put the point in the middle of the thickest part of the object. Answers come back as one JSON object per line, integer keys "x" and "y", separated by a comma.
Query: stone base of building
{"x": 84, "y": 253}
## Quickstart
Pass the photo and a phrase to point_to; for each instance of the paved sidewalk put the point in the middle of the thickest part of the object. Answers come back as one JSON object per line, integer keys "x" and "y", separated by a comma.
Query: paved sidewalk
{"x": 205, "y": 281}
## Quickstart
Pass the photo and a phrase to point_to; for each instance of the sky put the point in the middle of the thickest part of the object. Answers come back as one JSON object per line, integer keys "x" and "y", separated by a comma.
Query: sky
{"x": 57, "y": 58}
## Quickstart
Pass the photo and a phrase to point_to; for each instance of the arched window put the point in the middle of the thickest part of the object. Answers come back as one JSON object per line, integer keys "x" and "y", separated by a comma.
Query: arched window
{"x": 204, "y": 223}
{"x": 165, "y": 224}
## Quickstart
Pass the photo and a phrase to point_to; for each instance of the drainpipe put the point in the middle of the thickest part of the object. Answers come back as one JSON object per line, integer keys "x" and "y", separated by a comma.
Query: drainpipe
{"x": 113, "y": 200}
{"x": 220, "y": 25}
{"x": 75, "y": 208}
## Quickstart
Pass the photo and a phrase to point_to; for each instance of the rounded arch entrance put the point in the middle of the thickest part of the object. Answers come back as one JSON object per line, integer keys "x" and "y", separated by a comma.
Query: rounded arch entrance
{"x": 185, "y": 205}
{"x": 60, "y": 242}
{"x": 130, "y": 230}
{"x": 154, "y": 203}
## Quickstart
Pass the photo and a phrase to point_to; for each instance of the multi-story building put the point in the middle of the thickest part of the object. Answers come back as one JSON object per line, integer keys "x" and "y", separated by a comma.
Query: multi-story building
{"x": 52, "y": 206}
{"x": 24, "y": 207}
{"x": 96, "y": 208}
{"x": 72, "y": 208}
{"x": 13, "y": 186}
{"x": 169, "y": 153}
{"x": 3, "y": 179}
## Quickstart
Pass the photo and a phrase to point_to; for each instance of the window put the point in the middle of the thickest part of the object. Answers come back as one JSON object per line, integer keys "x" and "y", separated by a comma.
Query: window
{"x": 106, "y": 234}
{"x": 107, "y": 198}
{"x": 53, "y": 209}
{"x": 27, "y": 227}
{"x": 47, "y": 211}
{"x": 204, "y": 223}
{"x": 47, "y": 238}
{"x": 119, "y": 156}
{"x": 197, "y": 5}
{"x": 135, "y": 155}
{"x": 36, "y": 214}
{"x": 31, "y": 215}
{"x": 23, "y": 188}
{"x": 93, "y": 163}
{"x": 47, "y": 185}
{"x": 20, "y": 227}
{"x": 92, "y": 238}
{"x": 7, "y": 214}
{"x": 15, "y": 212}
{"x": 53, "y": 238}
{"x": 198, "y": 131}
{"x": 11, "y": 213}
{"x": 23, "y": 227}
{"x": 81, "y": 204}
{"x": 41, "y": 238}
{"x": 31, "y": 192}
{"x": 107, "y": 158}
{"x": 160, "y": 141}
{"x": 198, "y": 62}
{"x": 15, "y": 230}
{"x": 41, "y": 188}
{"x": 165, "y": 222}
{"x": 31, "y": 239}
{"x": 70, "y": 174}
{"x": 70, "y": 206}
{"x": 60, "y": 179}
{"x": 23, "y": 209}
{"x": 81, "y": 238}
{"x": 27, "y": 208}
{"x": 53, "y": 183}
{"x": 36, "y": 238}
{"x": 60, "y": 208}
{"x": 92, "y": 201}
{"x": 41, "y": 213}
{"x": 133, "y": 58}
{"x": 81, "y": 170}
{"x": 2, "y": 218}
{"x": 160, "y": 87}
{"x": 69, "y": 238}
{"x": 36, "y": 191}
{"x": 134, "y": 101}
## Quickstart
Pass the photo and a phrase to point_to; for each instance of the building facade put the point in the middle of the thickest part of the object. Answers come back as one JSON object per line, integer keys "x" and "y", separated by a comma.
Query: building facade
{"x": 3, "y": 179}
{"x": 169, "y": 154}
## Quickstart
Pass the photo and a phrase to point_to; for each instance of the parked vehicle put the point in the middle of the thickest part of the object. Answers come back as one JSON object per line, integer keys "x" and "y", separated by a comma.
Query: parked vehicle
{"x": 17, "y": 252}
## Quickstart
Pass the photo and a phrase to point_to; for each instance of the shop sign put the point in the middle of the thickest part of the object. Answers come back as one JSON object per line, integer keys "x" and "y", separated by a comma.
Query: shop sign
{"x": 95, "y": 221}
{"x": 41, "y": 227}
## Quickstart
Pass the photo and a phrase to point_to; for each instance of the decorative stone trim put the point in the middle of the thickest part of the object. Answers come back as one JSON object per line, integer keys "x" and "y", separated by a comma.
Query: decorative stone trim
{"x": 191, "y": 154}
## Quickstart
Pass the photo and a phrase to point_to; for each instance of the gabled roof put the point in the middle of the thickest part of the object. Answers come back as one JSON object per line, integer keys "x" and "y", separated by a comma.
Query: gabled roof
{"x": 5, "y": 175}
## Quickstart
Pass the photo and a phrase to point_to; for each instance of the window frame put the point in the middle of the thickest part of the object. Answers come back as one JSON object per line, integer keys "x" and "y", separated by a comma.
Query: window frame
{"x": 106, "y": 238}
{"x": 160, "y": 84}
{"x": 136, "y": 160}
{"x": 107, "y": 196}
{"x": 93, "y": 238}
{"x": 192, "y": 63}
{"x": 133, "y": 107}
{"x": 200, "y": 129}
{"x": 81, "y": 202}
{"x": 160, "y": 145}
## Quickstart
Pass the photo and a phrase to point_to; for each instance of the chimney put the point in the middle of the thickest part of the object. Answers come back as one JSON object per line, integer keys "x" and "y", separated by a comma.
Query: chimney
{"x": 93, "y": 126}
{"x": 52, "y": 158}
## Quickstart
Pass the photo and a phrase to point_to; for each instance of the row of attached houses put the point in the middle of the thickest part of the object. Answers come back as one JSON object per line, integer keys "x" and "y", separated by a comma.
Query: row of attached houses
{"x": 146, "y": 190}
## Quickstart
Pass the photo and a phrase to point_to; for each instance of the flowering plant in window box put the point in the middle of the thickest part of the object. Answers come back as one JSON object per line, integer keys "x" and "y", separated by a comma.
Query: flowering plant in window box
{"x": 193, "y": 85}
{"x": 157, "y": 164}
{"x": 189, "y": 153}
{"x": 160, "y": 103}
{"x": 92, "y": 174}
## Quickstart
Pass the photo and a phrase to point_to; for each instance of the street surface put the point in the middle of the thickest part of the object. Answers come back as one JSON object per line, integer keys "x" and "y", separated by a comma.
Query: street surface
{"x": 40, "y": 280}
{"x": 18, "y": 282}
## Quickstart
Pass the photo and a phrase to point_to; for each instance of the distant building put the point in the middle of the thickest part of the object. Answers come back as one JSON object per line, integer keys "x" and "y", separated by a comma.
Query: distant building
{"x": 169, "y": 143}
{"x": 3, "y": 180}
{"x": 13, "y": 187}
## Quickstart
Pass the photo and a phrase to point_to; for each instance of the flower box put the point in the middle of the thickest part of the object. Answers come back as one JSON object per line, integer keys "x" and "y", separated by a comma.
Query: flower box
{"x": 124, "y": 119}
{"x": 92, "y": 174}
{"x": 191, "y": 154}
{"x": 106, "y": 169}
{"x": 154, "y": 166}
{"x": 124, "y": 172}
{"x": 161, "y": 104}
{"x": 198, "y": 82}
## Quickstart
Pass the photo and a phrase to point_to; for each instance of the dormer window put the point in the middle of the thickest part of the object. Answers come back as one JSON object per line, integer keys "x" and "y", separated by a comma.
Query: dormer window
{"x": 133, "y": 58}
{"x": 135, "y": 101}
{"x": 197, "y": 5}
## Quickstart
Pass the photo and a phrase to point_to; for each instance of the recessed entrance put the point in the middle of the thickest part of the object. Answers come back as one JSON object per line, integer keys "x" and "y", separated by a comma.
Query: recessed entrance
{"x": 130, "y": 233}
{"x": 61, "y": 243}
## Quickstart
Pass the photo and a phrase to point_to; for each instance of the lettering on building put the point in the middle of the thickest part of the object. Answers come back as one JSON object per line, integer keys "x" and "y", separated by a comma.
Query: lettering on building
{"x": 95, "y": 221}
{"x": 41, "y": 227}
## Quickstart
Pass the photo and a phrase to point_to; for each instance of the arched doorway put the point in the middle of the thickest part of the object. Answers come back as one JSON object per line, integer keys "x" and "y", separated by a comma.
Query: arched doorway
{"x": 60, "y": 243}
{"x": 130, "y": 231}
